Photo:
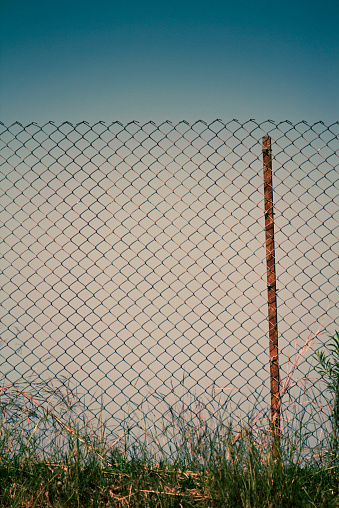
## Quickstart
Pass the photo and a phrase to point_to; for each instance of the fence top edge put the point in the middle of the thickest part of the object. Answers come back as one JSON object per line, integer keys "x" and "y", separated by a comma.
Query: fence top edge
{"x": 274, "y": 123}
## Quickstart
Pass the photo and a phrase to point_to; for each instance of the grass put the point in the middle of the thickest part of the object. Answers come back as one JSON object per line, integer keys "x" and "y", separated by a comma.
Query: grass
{"x": 199, "y": 454}
{"x": 328, "y": 369}
{"x": 51, "y": 456}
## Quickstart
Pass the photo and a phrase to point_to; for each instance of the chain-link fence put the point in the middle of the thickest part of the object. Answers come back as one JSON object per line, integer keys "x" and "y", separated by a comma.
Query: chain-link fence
{"x": 134, "y": 256}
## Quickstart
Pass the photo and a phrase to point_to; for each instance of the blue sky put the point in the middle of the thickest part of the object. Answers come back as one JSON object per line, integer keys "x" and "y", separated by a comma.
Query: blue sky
{"x": 71, "y": 60}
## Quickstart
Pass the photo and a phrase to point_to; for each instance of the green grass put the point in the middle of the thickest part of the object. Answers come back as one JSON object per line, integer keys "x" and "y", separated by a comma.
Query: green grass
{"x": 198, "y": 455}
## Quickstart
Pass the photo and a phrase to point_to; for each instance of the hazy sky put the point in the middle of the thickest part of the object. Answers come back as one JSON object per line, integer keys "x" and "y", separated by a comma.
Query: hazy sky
{"x": 71, "y": 60}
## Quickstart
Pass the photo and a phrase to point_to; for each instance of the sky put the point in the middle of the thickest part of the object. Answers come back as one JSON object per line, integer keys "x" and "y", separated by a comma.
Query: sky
{"x": 108, "y": 60}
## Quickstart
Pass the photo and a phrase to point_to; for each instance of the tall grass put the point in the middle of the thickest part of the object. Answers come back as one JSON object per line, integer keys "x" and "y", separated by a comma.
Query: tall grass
{"x": 201, "y": 453}
{"x": 328, "y": 369}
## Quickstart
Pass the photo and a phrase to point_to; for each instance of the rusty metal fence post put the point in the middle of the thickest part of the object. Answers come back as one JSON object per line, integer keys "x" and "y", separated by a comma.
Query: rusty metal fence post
{"x": 271, "y": 291}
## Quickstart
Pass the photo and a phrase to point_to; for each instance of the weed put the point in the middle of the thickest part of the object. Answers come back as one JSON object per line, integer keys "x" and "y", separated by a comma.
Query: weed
{"x": 210, "y": 461}
{"x": 199, "y": 454}
{"x": 328, "y": 369}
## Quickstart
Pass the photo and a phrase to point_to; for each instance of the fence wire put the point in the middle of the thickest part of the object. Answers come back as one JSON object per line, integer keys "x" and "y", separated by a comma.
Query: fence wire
{"x": 134, "y": 257}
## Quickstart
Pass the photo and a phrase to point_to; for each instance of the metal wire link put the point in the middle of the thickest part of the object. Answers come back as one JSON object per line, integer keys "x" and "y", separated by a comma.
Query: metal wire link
{"x": 134, "y": 255}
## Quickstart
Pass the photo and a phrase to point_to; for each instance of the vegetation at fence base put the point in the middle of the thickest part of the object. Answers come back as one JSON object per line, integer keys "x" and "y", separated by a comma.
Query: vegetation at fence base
{"x": 57, "y": 459}
{"x": 196, "y": 455}
{"x": 328, "y": 369}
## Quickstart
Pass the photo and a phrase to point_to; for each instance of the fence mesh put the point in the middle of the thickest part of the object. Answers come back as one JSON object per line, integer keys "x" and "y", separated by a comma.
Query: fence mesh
{"x": 134, "y": 257}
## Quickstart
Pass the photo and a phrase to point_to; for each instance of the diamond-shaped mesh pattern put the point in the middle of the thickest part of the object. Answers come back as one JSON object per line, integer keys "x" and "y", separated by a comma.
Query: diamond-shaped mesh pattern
{"x": 134, "y": 255}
